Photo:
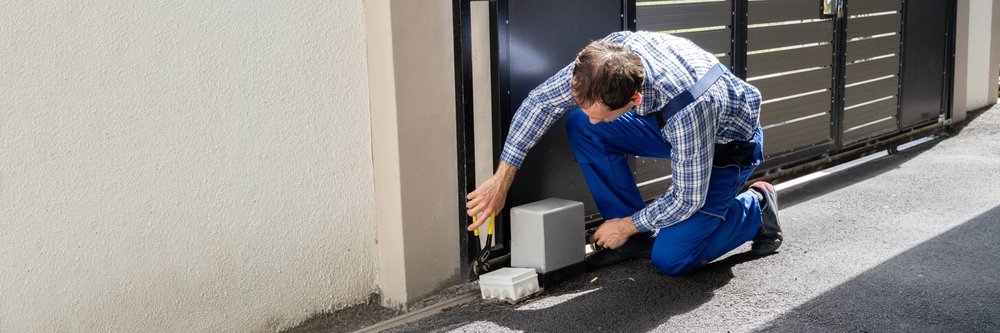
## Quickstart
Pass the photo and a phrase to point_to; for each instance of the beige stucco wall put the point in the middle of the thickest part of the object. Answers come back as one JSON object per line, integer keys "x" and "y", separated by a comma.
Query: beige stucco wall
{"x": 994, "y": 67}
{"x": 183, "y": 166}
{"x": 980, "y": 73}
{"x": 977, "y": 56}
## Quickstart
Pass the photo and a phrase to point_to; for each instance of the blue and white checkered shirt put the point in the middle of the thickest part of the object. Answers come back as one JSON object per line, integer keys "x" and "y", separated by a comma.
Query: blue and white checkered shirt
{"x": 727, "y": 112}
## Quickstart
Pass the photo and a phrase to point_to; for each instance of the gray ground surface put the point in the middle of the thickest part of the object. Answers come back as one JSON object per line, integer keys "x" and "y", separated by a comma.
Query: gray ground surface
{"x": 908, "y": 242}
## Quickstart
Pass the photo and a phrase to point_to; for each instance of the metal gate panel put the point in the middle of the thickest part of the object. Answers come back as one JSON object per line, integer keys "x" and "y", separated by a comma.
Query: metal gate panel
{"x": 781, "y": 10}
{"x": 867, "y": 113}
{"x": 775, "y": 112}
{"x": 660, "y": 16}
{"x": 859, "y": 7}
{"x": 714, "y": 41}
{"x": 873, "y": 25}
{"x": 794, "y": 84}
{"x": 872, "y": 72}
{"x": 784, "y": 61}
{"x": 769, "y": 37}
{"x": 870, "y": 91}
{"x": 868, "y": 70}
{"x": 790, "y": 59}
{"x": 886, "y": 126}
{"x": 872, "y": 47}
{"x": 804, "y": 133}
{"x": 707, "y": 24}
{"x": 926, "y": 65}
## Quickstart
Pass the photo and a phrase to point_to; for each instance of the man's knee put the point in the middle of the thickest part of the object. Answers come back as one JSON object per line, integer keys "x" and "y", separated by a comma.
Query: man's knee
{"x": 674, "y": 265}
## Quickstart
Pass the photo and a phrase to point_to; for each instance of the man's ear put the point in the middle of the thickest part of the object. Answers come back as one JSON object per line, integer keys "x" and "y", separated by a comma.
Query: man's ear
{"x": 636, "y": 98}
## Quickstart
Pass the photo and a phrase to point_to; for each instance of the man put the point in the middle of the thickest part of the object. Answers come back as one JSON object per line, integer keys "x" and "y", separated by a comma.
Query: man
{"x": 654, "y": 95}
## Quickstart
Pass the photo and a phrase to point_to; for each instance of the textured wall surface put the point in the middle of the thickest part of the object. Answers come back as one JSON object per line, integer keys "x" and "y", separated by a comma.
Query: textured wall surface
{"x": 183, "y": 166}
{"x": 980, "y": 72}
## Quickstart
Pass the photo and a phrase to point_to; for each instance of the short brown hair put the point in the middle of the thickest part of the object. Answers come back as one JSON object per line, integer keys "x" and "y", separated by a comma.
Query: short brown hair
{"x": 608, "y": 72}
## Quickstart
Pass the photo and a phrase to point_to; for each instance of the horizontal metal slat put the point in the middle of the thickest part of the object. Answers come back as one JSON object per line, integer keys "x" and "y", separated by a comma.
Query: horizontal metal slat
{"x": 683, "y": 15}
{"x": 773, "y": 113}
{"x": 788, "y": 60}
{"x": 799, "y": 134}
{"x": 654, "y": 190}
{"x": 857, "y": 7}
{"x": 870, "y": 91}
{"x": 872, "y": 47}
{"x": 869, "y": 113}
{"x": 793, "y": 84}
{"x": 876, "y": 129}
{"x": 714, "y": 41}
{"x": 781, "y": 10}
{"x": 789, "y": 34}
{"x": 647, "y": 168}
{"x": 872, "y": 69}
{"x": 872, "y": 25}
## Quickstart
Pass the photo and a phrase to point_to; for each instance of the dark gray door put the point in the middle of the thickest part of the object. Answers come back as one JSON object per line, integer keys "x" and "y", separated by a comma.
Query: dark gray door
{"x": 926, "y": 48}
{"x": 543, "y": 37}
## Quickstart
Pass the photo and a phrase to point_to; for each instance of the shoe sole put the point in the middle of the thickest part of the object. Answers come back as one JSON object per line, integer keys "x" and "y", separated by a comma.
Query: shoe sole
{"x": 776, "y": 244}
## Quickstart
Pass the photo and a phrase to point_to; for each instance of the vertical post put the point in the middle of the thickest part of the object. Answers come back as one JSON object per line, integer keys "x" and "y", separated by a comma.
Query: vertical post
{"x": 628, "y": 15}
{"x": 629, "y": 23}
{"x": 948, "y": 88}
{"x": 500, "y": 67}
{"x": 839, "y": 75}
{"x": 461, "y": 16}
{"x": 902, "y": 59}
{"x": 502, "y": 113}
{"x": 739, "y": 30}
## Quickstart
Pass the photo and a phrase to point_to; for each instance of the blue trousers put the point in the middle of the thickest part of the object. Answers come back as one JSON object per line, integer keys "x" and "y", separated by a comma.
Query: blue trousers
{"x": 727, "y": 220}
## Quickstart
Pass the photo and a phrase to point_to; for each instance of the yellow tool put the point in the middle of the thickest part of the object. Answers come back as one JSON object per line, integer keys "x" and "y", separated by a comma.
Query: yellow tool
{"x": 493, "y": 217}
{"x": 482, "y": 262}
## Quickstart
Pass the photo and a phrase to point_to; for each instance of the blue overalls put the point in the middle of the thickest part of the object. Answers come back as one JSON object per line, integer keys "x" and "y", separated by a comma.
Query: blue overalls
{"x": 726, "y": 220}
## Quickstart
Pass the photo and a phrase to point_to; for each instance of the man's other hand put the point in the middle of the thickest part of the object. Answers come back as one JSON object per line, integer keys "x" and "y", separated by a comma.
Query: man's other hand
{"x": 614, "y": 233}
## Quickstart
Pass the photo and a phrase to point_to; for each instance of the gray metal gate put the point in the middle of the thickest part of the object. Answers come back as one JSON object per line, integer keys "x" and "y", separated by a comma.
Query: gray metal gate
{"x": 831, "y": 83}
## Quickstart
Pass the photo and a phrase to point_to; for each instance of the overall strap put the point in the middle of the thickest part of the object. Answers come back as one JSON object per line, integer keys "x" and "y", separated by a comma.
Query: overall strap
{"x": 688, "y": 96}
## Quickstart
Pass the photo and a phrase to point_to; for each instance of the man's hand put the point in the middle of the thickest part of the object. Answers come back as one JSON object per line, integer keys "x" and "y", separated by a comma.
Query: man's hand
{"x": 491, "y": 195}
{"x": 613, "y": 233}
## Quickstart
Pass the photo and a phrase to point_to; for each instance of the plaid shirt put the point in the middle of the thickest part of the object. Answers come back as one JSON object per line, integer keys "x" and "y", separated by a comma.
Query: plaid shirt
{"x": 727, "y": 112}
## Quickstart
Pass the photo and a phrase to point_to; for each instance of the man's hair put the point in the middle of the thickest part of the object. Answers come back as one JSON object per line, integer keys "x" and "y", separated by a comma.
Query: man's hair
{"x": 608, "y": 72}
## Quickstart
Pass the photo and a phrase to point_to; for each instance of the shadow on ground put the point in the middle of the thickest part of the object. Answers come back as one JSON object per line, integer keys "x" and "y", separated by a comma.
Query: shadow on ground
{"x": 946, "y": 284}
{"x": 631, "y": 296}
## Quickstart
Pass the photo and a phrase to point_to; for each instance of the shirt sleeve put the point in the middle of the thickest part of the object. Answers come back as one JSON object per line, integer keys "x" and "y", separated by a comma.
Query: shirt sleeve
{"x": 692, "y": 136}
{"x": 542, "y": 108}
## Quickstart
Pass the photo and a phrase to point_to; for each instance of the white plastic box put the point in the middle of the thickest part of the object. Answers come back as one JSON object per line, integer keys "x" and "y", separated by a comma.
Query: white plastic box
{"x": 509, "y": 284}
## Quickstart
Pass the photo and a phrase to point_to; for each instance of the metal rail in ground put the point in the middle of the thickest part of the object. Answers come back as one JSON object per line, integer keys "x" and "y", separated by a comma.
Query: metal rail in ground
{"x": 420, "y": 313}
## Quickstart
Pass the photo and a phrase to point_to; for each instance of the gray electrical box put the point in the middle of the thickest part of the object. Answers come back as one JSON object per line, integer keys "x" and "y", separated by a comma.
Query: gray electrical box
{"x": 547, "y": 235}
